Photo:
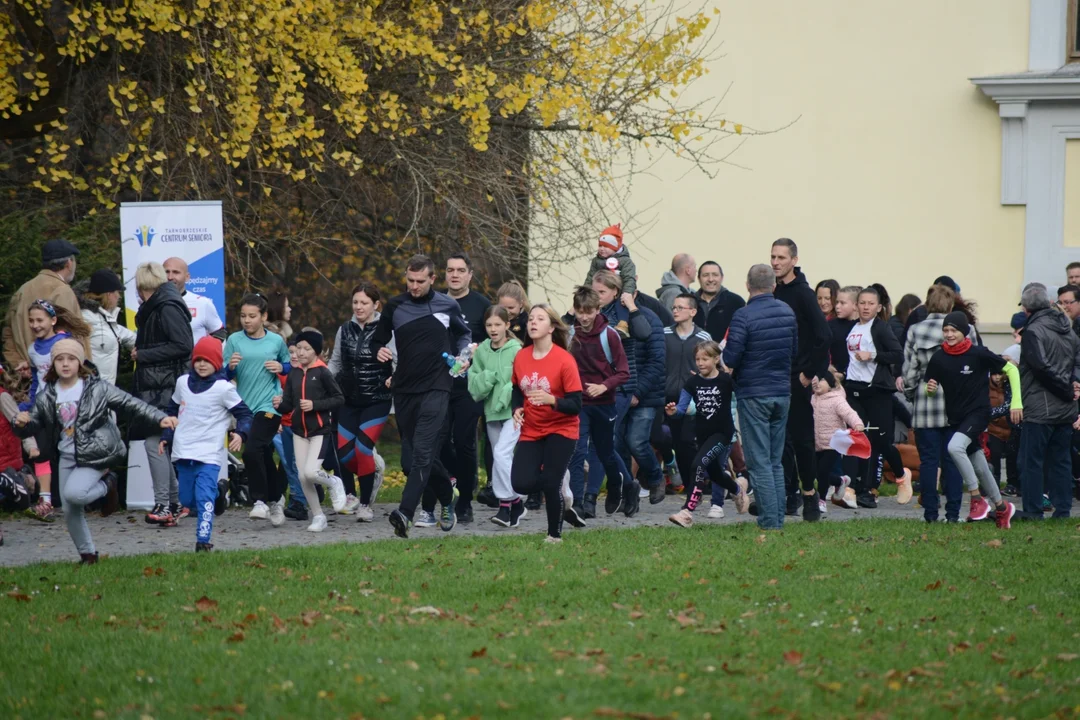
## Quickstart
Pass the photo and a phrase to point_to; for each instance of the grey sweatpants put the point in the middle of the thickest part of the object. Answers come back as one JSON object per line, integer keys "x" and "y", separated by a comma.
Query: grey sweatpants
{"x": 162, "y": 473}
{"x": 973, "y": 467}
{"x": 79, "y": 486}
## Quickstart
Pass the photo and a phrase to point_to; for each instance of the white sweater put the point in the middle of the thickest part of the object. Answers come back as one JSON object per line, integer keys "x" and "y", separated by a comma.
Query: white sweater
{"x": 106, "y": 338}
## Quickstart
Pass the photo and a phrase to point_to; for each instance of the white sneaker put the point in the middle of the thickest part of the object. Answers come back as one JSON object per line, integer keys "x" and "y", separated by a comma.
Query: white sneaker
{"x": 829, "y": 492}
{"x": 380, "y": 471}
{"x": 351, "y": 504}
{"x": 822, "y": 506}
{"x": 716, "y": 512}
{"x": 260, "y": 511}
{"x": 318, "y": 523}
{"x": 643, "y": 492}
{"x": 337, "y": 492}
{"x": 364, "y": 513}
{"x": 277, "y": 514}
{"x": 425, "y": 519}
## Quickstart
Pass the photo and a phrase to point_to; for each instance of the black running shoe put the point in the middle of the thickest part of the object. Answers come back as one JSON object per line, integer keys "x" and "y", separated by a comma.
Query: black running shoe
{"x": 503, "y": 516}
{"x": 517, "y": 511}
{"x": 632, "y": 499}
{"x": 203, "y": 547}
{"x": 296, "y": 511}
{"x": 657, "y": 494}
{"x": 486, "y": 496}
{"x": 811, "y": 511}
{"x": 614, "y": 501}
{"x": 222, "y": 501}
{"x": 753, "y": 509}
{"x": 866, "y": 500}
{"x": 465, "y": 514}
{"x": 401, "y": 523}
{"x": 534, "y": 501}
{"x": 794, "y": 501}
{"x": 572, "y": 515}
{"x": 588, "y": 507}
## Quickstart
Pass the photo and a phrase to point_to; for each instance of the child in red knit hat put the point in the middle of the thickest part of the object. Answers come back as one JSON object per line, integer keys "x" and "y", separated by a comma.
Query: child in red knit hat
{"x": 612, "y": 255}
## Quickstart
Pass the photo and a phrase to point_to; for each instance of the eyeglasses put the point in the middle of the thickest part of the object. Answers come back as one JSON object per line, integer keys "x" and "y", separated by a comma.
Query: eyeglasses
{"x": 1066, "y": 302}
{"x": 680, "y": 307}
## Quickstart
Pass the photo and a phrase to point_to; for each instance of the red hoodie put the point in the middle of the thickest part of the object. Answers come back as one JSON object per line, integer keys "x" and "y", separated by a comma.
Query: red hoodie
{"x": 593, "y": 364}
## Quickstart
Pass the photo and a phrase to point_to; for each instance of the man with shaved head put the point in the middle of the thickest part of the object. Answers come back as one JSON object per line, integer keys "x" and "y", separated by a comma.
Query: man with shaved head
{"x": 676, "y": 281}
{"x": 204, "y": 316}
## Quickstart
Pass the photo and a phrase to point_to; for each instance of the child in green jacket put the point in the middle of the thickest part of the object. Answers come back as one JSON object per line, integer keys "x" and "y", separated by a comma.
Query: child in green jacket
{"x": 614, "y": 256}
{"x": 490, "y": 382}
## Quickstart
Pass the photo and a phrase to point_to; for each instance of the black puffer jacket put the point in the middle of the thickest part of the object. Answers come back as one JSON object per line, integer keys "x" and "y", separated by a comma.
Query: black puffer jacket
{"x": 98, "y": 443}
{"x": 359, "y": 373}
{"x": 163, "y": 344}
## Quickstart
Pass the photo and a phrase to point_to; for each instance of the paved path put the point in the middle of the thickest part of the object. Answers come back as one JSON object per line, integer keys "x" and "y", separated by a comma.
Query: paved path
{"x": 28, "y": 541}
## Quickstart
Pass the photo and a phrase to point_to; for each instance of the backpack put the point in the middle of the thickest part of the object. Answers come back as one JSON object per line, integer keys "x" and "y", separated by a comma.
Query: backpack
{"x": 604, "y": 343}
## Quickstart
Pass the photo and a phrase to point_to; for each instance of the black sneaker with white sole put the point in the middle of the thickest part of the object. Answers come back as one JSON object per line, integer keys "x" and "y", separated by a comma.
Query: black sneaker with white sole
{"x": 503, "y": 516}
{"x": 614, "y": 501}
{"x": 517, "y": 511}
{"x": 222, "y": 501}
{"x": 631, "y": 499}
{"x": 401, "y": 523}
{"x": 572, "y": 516}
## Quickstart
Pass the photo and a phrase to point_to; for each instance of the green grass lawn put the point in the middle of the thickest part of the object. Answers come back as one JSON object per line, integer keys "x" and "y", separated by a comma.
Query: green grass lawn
{"x": 874, "y": 618}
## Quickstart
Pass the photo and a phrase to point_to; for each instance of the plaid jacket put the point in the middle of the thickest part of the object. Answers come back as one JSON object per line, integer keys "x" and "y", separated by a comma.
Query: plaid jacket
{"x": 923, "y": 340}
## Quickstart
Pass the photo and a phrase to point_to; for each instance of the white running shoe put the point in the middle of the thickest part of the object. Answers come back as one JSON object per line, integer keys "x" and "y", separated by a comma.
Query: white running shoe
{"x": 351, "y": 504}
{"x": 823, "y": 506}
{"x": 380, "y": 472}
{"x": 829, "y": 492}
{"x": 716, "y": 512}
{"x": 643, "y": 492}
{"x": 337, "y": 492}
{"x": 318, "y": 523}
{"x": 425, "y": 519}
{"x": 260, "y": 511}
{"x": 277, "y": 514}
{"x": 364, "y": 513}
{"x": 742, "y": 500}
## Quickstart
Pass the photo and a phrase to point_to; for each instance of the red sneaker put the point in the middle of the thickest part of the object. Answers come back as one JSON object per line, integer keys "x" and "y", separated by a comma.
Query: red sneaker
{"x": 1004, "y": 517}
{"x": 979, "y": 509}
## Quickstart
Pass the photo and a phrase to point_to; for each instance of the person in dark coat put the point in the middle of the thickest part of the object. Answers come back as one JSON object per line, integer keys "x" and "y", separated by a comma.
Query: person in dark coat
{"x": 716, "y": 304}
{"x": 163, "y": 345}
{"x": 812, "y": 360}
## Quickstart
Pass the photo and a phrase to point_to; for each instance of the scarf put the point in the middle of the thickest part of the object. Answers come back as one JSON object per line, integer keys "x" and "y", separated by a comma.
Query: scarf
{"x": 958, "y": 349}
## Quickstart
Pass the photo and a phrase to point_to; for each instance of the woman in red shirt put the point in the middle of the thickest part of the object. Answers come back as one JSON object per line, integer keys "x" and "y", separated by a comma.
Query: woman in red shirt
{"x": 547, "y": 402}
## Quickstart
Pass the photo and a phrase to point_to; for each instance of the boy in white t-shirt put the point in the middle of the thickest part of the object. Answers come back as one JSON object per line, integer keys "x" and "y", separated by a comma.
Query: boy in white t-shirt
{"x": 203, "y": 402}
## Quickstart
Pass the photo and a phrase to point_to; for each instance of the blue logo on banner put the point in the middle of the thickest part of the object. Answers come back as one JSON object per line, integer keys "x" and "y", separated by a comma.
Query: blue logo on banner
{"x": 145, "y": 235}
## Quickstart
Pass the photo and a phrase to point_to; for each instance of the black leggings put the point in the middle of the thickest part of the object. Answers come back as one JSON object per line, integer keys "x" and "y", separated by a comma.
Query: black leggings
{"x": 710, "y": 466}
{"x": 826, "y": 469}
{"x": 539, "y": 466}
{"x": 265, "y": 479}
{"x": 875, "y": 408}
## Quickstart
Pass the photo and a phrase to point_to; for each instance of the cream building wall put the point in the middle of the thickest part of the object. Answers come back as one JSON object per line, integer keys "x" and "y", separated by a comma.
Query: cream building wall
{"x": 891, "y": 171}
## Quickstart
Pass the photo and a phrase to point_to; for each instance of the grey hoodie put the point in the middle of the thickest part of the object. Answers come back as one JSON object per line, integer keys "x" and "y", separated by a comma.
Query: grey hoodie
{"x": 670, "y": 288}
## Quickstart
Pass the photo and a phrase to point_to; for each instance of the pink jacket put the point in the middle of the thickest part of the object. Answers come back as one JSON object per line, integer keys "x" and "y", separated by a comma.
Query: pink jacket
{"x": 831, "y": 413}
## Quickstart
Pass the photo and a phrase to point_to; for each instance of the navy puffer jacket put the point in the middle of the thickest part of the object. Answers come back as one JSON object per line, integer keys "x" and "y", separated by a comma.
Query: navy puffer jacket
{"x": 651, "y": 363}
{"x": 762, "y": 342}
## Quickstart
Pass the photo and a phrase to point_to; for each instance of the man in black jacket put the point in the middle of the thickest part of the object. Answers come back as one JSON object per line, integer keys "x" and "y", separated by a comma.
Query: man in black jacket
{"x": 811, "y": 359}
{"x": 424, "y": 324}
{"x": 716, "y": 304}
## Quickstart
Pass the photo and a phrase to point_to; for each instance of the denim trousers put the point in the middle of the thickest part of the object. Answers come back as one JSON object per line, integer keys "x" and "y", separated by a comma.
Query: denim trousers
{"x": 763, "y": 425}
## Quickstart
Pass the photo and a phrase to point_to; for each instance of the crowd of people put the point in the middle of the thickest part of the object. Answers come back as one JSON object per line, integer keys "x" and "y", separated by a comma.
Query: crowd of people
{"x": 691, "y": 393}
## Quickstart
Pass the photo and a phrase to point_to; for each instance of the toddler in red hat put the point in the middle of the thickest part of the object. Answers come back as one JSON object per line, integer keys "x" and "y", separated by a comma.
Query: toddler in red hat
{"x": 612, "y": 255}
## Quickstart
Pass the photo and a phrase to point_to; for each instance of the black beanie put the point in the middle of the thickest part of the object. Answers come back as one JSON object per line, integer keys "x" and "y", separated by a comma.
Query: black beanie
{"x": 958, "y": 320}
{"x": 312, "y": 338}
{"x": 948, "y": 282}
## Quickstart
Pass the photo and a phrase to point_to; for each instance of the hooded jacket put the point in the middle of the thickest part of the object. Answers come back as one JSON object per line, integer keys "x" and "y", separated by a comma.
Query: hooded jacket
{"x": 107, "y": 335}
{"x": 831, "y": 413}
{"x": 315, "y": 383}
{"x": 679, "y": 359}
{"x": 670, "y": 288}
{"x": 1049, "y": 362}
{"x": 98, "y": 443}
{"x": 490, "y": 378}
{"x": 164, "y": 344}
{"x": 627, "y": 271}
{"x": 814, "y": 333}
{"x": 359, "y": 373}
{"x": 593, "y": 365}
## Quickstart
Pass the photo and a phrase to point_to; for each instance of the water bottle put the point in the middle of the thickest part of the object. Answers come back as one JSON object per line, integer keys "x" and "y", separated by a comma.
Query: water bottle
{"x": 457, "y": 364}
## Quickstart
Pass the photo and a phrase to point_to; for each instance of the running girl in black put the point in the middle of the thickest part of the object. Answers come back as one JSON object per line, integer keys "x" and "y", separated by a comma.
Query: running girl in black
{"x": 710, "y": 391}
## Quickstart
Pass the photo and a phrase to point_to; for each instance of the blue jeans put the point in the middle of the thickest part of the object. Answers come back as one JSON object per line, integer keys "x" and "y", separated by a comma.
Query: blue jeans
{"x": 598, "y": 425}
{"x": 763, "y": 422}
{"x": 933, "y": 454}
{"x": 596, "y": 467}
{"x": 1046, "y": 462}
{"x": 198, "y": 491}
{"x": 284, "y": 446}
{"x": 632, "y": 437}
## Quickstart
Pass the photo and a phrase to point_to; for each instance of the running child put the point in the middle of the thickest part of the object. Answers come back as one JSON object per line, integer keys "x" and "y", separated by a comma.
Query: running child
{"x": 491, "y": 382}
{"x": 203, "y": 402}
{"x": 547, "y": 402}
{"x": 255, "y": 359}
{"x": 962, "y": 370}
{"x": 710, "y": 391}
{"x": 613, "y": 255}
{"x": 73, "y": 411}
{"x": 512, "y": 296}
{"x": 48, "y": 324}
{"x": 313, "y": 392}
{"x": 832, "y": 413}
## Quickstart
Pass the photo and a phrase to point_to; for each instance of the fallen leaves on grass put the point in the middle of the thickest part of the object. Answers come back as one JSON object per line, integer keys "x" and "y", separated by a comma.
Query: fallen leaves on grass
{"x": 615, "y": 713}
{"x": 427, "y": 610}
{"x": 479, "y": 653}
{"x": 204, "y": 604}
{"x": 236, "y": 637}
{"x": 1067, "y": 657}
{"x": 18, "y": 596}
{"x": 995, "y": 543}
{"x": 936, "y": 585}
{"x": 1008, "y": 598}
{"x": 684, "y": 620}
{"x": 152, "y": 571}
{"x": 793, "y": 657}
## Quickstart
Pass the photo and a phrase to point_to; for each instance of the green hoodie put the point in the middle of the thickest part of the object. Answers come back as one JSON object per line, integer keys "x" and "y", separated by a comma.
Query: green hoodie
{"x": 490, "y": 378}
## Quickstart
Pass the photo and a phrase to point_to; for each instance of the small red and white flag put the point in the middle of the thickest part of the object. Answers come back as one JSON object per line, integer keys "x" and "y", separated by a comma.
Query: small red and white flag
{"x": 850, "y": 442}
